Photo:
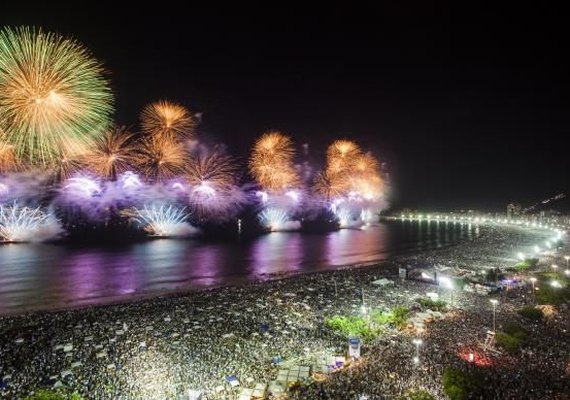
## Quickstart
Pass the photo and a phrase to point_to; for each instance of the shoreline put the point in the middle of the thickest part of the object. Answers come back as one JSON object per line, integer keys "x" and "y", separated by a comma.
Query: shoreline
{"x": 161, "y": 347}
{"x": 237, "y": 281}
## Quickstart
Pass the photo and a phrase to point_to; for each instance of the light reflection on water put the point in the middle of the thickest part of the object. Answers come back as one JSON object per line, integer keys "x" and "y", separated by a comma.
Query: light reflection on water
{"x": 40, "y": 276}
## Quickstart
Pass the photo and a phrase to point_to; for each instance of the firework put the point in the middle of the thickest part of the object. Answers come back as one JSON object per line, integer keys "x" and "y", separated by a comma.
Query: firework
{"x": 278, "y": 219}
{"x": 213, "y": 192}
{"x": 161, "y": 159}
{"x": 344, "y": 217}
{"x": 52, "y": 92}
{"x": 7, "y": 159}
{"x": 367, "y": 216}
{"x": 66, "y": 167}
{"x": 162, "y": 220}
{"x": 216, "y": 171}
{"x": 274, "y": 219}
{"x": 163, "y": 119}
{"x": 113, "y": 154}
{"x": 335, "y": 180}
{"x": 271, "y": 163}
{"x": 24, "y": 224}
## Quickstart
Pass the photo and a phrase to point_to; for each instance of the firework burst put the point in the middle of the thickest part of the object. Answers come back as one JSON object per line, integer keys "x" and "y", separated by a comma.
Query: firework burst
{"x": 162, "y": 220}
{"x": 51, "y": 92}
{"x": 277, "y": 219}
{"x": 271, "y": 163}
{"x": 25, "y": 224}
{"x": 213, "y": 186}
{"x": 162, "y": 159}
{"x": 7, "y": 159}
{"x": 113, "y": 154}
{"x": 214, "y": 170}
{"x": 164, "y": 119}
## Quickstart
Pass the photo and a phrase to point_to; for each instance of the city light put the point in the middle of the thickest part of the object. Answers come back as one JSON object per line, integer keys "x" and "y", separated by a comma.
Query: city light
{"x": 494, "y": 302}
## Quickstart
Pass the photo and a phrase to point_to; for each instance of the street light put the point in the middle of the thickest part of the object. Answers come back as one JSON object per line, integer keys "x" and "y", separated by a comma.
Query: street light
{"x": 567, "y": 258}
{"x": 533, "y": 280}
{"x": 447, "y": 282}
{"x": 494, "y": 302}
{"x": 555, "y": 284}
{"x": 417, "y": 342}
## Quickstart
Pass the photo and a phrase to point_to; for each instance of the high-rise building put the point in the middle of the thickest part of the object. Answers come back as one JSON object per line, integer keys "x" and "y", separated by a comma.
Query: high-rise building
{"x": 513, "y": 210}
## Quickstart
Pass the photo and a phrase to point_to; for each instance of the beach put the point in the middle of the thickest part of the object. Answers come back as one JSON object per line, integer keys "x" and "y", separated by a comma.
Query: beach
{"x": 162, "y": 347}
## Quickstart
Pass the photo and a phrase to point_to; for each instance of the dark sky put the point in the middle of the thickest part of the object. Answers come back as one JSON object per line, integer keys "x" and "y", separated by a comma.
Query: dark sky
{"x": 469, "y": 107}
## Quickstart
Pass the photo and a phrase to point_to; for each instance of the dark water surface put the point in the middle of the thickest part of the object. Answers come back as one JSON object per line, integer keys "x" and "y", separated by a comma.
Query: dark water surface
{"x": 39, "y": 276}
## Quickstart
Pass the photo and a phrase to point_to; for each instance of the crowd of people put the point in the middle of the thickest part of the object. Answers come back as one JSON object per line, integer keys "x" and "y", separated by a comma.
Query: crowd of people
{"x": 161, "y": 348}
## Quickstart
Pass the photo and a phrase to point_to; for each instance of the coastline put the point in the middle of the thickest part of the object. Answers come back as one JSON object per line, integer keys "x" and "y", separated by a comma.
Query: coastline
{"x": 195, "y": 339}
{"x": 191, "y": 286}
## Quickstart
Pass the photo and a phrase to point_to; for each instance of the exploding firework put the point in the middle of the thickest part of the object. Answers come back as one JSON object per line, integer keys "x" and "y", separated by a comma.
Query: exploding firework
{"x": 162, "y": 159}
{"x": 163, "y": 119}
{"x": 7, "y": 159}
{"x": 213, "y": 189}
{"x": 344, "y": 217}
{"x": 162, "y": 220}
{"x": 25, "y": 224}
{"x": 277, "y": 219}
{"x": 271, "y": 163}
{"x": 367, "y": 216}
{"x": 52, "y": 92}
{"x": 216, "y": 171}
{"x": 113, "y": 154}
{"x": 67, "y": 166}
{"x": 336, "y": 179}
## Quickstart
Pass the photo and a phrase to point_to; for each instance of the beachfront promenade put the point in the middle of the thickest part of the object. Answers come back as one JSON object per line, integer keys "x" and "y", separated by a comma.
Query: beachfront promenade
{"x": 223, "y": 340}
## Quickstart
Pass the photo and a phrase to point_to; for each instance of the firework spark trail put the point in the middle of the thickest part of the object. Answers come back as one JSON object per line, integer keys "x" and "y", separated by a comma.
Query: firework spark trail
{"x": 25, "y": 224}
{"x": 162, "y": 220}
{"x": 271, "y": 163}
{"x": 277, "y": 219}
{"x": 113, "y": 154}
{"x": 8, "y": 161}
{"x": 161, "y": 159}
{"x": 166, "y": 120}
{"x": 215, "y": 170}
{"x": 336, "y": 179}
{"x": 52, "y": 91}
{"x": 213, "y": 193}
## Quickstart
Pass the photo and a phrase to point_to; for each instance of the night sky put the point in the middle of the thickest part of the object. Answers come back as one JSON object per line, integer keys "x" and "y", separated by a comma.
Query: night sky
{"x": 468, "y": 107}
